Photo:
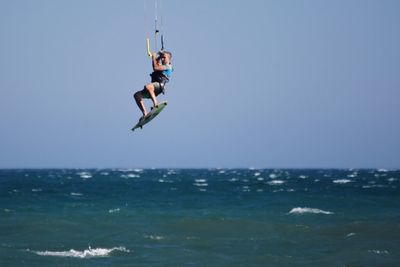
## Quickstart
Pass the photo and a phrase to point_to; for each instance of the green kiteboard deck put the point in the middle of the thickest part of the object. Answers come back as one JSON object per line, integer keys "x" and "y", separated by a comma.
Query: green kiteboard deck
{"x": 151, "y": 115}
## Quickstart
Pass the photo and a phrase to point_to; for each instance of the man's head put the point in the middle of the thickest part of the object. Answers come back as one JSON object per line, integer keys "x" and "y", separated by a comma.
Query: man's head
{"x": 165, "y": 56}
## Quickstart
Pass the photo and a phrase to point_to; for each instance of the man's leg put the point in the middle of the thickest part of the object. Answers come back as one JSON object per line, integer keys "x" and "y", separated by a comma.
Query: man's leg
{"x": 150, "y": 89}
{"x": 139, "y": 102}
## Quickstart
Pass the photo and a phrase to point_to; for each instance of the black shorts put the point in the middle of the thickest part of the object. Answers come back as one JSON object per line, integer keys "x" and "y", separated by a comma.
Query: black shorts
{"x": 158, "y": 89}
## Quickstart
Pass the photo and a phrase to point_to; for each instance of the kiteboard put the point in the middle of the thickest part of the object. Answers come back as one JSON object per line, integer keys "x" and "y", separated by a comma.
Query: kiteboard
{"x": 149, "y": 116}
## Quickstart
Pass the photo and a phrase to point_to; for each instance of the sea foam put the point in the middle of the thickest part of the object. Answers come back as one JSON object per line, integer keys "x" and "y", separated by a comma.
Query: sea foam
{"x": 276, "y": 182}
{"x": 87, "y": 253}
{"x": 342, "y": 181}
{"x": 130, "y": 175}
{"x": 114, "y": 210}
{"x": 299, "y": 210}
{"x": 200, "y": 182}
{"x": 85, "y": 175}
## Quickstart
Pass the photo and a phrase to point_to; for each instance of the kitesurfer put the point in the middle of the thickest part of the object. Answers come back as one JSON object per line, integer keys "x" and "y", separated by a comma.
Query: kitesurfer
{"x": 162, "y": 70}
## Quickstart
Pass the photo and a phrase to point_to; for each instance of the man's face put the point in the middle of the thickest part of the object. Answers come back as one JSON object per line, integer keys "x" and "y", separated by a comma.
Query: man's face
{"x": 165, "y": 58}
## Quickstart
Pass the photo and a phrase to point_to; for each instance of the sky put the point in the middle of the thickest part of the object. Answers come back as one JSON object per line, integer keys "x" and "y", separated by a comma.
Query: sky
{"x": 258, "y": 83}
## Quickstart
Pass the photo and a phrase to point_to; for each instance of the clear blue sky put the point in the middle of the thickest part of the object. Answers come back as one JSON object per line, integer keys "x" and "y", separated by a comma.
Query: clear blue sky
{"x": 297, "y": 84}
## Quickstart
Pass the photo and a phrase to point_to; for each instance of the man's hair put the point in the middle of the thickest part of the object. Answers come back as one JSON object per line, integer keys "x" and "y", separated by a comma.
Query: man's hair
{"x": 167, "y": 52}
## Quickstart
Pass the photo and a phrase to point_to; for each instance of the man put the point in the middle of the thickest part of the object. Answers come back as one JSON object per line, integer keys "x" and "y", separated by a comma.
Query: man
{"x": 162, "y": 70}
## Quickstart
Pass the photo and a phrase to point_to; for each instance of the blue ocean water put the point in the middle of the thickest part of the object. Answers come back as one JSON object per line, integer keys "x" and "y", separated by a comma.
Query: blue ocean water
{"x": 199, "y": 217}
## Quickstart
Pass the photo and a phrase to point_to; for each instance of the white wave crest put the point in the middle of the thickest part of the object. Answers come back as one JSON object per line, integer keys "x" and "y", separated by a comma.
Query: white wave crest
{"x": 200, "y": 184}
{"x": 276, "y": 182}
{"x": 342, "y": 181}
{"x": 375, "y": 251}
{"x": 85, "y": 175}
{"x": 114, "y": 210}
{"x": 299, "y": 210}
{"x": 154, "y": 237}
{"x": 87, "y": 253}
{"x": 130, "y": 175}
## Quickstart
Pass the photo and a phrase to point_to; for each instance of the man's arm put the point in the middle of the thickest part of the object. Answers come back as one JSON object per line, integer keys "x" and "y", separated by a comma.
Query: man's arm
{"x": 156, "y": 65}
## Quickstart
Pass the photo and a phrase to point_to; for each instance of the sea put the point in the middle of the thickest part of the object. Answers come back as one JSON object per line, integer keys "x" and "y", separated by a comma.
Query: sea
{"x": 199, "y": 217}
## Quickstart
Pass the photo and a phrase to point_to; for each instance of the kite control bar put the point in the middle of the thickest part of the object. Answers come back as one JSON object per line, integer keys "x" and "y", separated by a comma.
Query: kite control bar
{"x": 148, "y": 45}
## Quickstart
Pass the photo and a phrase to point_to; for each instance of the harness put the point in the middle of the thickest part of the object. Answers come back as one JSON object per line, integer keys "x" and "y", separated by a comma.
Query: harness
{"x": 159, "y": 77}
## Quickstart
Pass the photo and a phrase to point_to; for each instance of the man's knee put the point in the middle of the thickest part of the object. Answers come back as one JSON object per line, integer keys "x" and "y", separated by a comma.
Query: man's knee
{"x": 149, "y": 87}
{"x": 138, "y": 95}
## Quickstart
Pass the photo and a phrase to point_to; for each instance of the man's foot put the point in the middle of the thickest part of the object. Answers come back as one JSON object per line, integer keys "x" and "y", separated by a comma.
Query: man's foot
{"x": 142, "y": 118}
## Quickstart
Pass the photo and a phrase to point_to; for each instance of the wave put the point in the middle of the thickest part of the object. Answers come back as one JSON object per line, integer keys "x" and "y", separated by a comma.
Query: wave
{"x": 246, "y": 188}
{"x": 130, "y": 175}
{"x": 299, "y": 210}
{"x": 85, "y": 175}
{"x": 200, "y": 183}
{"x": 87, "y": 253}
{"x": 342, "y": 181}
{"x": 375, "y": 251}
{"x": 374, "y": 186}
{"x": 276, "y": 182}
{"x": 154, "y": 237}
{"x": 114, "y": 210}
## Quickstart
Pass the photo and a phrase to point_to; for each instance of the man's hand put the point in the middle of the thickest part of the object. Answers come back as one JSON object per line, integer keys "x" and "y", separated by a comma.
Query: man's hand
{"x": 155, "y": 63}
